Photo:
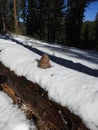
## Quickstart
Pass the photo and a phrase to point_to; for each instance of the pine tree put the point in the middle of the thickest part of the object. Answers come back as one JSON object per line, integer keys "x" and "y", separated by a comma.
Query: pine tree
{"x": 54, "y": 15}
{"x": 9, "y": 16}
{"x": 44, "y": 19}
{"x": 2, "y": 15}
{"x": 57, "y": 20}
{"x": 73, "y": 20}
{"x": 85, "y": 37}
{"x": 32, "y": 19}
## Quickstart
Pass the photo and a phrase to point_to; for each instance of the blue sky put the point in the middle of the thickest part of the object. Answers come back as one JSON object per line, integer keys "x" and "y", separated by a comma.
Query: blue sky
{"x": 91, "y": 11}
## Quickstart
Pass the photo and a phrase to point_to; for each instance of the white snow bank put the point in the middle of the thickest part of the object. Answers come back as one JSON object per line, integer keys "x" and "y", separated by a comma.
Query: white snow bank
{"x": 11, "y": 118}
{"x": 87, "y": 58}
{"x": 71, "y": 88}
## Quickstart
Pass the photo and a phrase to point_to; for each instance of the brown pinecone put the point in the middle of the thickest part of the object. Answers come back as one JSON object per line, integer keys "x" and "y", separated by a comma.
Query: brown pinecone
{"x": 44, "y": 62}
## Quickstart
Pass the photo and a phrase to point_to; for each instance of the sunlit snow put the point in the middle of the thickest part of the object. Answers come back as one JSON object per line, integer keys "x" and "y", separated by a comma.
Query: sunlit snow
{"x": 11, "y": 117}
{"x": 72, "y": 80}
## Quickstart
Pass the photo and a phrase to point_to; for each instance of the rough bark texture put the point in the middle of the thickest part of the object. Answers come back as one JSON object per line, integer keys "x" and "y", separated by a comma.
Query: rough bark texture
{"x": 49, "y": 115}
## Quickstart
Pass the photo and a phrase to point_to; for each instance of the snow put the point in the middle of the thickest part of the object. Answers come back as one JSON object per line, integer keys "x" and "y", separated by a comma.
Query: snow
{"x": 11, "y": 118}
{"x": 72, "y": 80}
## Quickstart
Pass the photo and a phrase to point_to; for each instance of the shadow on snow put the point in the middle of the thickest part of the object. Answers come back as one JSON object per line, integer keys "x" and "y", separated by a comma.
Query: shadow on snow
{"x": 64, "y": 62}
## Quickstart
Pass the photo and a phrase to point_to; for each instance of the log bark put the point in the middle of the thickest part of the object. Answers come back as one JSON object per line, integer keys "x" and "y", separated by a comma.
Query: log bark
{"x": 50, "y": 114}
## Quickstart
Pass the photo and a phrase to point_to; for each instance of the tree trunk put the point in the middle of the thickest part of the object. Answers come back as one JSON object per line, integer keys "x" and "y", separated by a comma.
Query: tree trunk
{"x": 41, "y": 20}
{"x": 15, "y": 18}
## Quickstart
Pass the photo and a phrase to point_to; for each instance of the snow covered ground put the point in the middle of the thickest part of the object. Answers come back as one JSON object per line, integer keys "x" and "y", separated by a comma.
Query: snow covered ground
{"x": 11, "y": 118}
{"x": 72, "y": 80}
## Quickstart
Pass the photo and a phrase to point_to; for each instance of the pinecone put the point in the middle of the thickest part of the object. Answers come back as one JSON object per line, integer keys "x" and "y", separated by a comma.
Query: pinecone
{"x": 44, "y": 62}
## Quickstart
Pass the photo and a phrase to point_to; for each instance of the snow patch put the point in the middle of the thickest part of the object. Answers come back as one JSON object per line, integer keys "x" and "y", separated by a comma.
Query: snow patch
{"x": 11, "y": 117}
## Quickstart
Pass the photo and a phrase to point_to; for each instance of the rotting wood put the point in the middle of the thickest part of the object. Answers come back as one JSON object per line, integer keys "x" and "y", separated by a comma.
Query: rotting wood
{"x": 10, "y": 92}
{"x": 51, "y": 115}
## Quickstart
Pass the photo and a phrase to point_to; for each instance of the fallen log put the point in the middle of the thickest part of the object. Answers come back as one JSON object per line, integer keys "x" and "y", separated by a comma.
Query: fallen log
{"x": 52, "y": 116}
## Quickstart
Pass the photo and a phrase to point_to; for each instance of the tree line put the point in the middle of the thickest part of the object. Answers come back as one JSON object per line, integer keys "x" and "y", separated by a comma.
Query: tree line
{"x": 55, "y": 21}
